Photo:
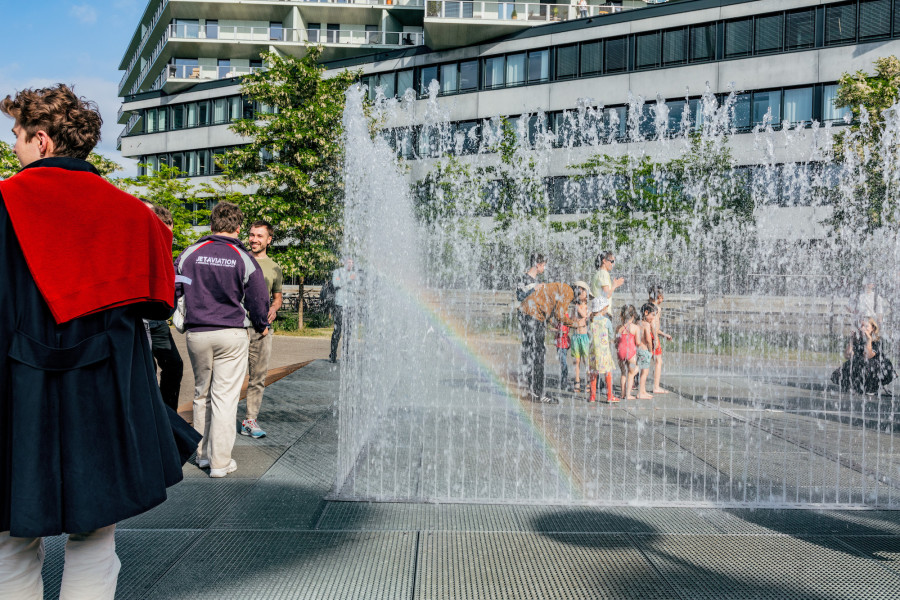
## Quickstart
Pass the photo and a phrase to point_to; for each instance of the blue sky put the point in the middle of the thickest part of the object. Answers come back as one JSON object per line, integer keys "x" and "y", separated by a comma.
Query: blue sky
{"x": 79, "y": 42}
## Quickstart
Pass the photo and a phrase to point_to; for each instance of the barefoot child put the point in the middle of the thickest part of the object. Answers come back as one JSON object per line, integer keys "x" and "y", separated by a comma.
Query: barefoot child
{"x": 601, "y": 355}
{"x": 581, "y": 341}
{"x": 626, "y": 348}
{"x": 656, "y": 297}
{"x": 645, "y": 346}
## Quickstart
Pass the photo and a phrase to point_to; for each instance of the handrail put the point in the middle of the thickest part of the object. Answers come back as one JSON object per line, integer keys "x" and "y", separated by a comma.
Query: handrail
{"x": 355, "y": 36}
{"x": 392, "y": 3}
{"x": 200, "y": 73}
{"x": 137, "y": 53}
{"x": 528, "y": 12}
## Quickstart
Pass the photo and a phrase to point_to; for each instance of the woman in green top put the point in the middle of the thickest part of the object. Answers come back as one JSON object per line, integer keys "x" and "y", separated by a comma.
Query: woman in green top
{"x": 601, "y": 283}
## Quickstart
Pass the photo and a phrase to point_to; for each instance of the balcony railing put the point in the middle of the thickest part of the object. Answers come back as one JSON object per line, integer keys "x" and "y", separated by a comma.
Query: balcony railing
{"x": 200, "y": 73}
{"x": 232, "y": 33}
{"x": 137, "y": 53}
{"x": 355, "y": 36}
{"x": 513, "y": 11}
{"x": 396, "y": 3}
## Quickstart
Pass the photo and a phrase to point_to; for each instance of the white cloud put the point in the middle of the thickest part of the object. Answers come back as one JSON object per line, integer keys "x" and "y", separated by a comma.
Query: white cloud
{"x": 101, "y": 91}
{"x": 84, "y": 13}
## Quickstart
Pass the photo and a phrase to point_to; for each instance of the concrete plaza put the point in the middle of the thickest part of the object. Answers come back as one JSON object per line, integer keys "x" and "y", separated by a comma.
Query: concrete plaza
{"x": 270, "y": 531}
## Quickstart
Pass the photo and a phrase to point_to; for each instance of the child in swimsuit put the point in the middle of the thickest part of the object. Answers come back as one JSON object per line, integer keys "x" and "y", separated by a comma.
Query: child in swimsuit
{"x": 626, "y": 347}
{"x": 656, "y": 297}
{"x": 581, "y": 341}
{"x": 645, "y": 345}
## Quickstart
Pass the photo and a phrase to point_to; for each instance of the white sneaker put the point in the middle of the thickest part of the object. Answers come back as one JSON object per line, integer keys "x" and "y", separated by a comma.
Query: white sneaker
{"x": 203, "y": 463}
{"x": 231, "y": 468}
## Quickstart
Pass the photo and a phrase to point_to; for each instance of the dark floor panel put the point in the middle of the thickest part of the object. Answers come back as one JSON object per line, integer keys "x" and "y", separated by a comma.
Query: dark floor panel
{"x": 768, "y": 567}
{"x": 297, "y": 565}
{"x": 516, "y": 566}
{"x": 145, "y": 556}
{"x": 192, "y": 504}
{"x": 286, "y": 505}
{"x": 883, "y": 549}
{"x": 806, "y": 522}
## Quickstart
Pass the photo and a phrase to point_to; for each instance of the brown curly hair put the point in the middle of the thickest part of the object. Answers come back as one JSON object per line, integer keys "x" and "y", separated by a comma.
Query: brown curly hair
{"x": 72, "y": 123}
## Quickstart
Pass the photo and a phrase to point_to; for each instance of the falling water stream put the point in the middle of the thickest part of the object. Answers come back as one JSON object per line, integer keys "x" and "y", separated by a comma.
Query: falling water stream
{"x": 430, "y": 408}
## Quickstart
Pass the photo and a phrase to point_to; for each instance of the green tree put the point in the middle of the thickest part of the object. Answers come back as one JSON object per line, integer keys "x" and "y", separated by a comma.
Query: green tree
{"x": 295, "y": 159}
{"x": 9, "y": 164}
{"x": 870, "y": 204}
{"x": 164, "y": 188}
{"x": 105, "y": 166}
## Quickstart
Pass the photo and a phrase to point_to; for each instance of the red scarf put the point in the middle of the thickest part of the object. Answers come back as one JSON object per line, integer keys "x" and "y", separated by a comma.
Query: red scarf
{"x": 89, "y": 245}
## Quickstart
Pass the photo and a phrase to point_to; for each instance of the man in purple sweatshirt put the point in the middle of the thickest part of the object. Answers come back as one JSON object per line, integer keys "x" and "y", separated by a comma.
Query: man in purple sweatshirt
{"x": 222, "y": 284}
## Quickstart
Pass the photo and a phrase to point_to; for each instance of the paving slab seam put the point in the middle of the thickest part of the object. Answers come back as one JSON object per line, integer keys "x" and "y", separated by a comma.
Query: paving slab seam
{"x": 174, "y": 563}
{"x": 653, "y": 566}
{"x": 415, "y": 566}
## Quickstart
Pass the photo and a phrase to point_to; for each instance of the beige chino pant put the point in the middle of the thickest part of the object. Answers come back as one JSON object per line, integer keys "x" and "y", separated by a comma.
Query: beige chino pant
{"x": 91, "y": 569}
{"x": 219, "y": 360}
{"x": 260, "y": 351}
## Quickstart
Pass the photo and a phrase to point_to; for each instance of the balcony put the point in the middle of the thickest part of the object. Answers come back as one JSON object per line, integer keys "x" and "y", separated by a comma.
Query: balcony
{"x": 362, "y": 38}
{"x": 174, "y": 78}
{"x": 444, "y": 17}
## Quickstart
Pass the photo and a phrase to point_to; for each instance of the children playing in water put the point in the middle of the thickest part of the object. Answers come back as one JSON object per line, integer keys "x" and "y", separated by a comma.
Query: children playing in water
{"x": 626, "y": 349}
{"x": 645, "y": 346}
{"x": 656, "y": 298}
{"x": 562, "y": 352}
{"x": 581, "y": 341}
{"x": 601, "y": 355}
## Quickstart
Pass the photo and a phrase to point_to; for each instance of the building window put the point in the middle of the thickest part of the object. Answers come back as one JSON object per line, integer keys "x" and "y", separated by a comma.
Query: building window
{"x": 874, "y": 19}
{"x": 493, "y": 72}
{"x": 404, "y": 81}
{"x": 333, "y": 33}
{"x": 769, "y": 33}
{"x": 800, "y": 29}
{"x": 616, "y": 55}
{"x": 429, "y": 74}
{"x": 212, "y": 29}
{"x": 798, "y": 105}
{"x": 468, "y": 75}
{"x": 840, "y": 23}
{"x": 703, "y": 42}
{"x": 276, "y": 32}
{"x": 567, "y": 62}
{"x": 647, "y": 50}
{"x": 741, "y": 109}
{"x": 763, "y": 103}
{"x": 312, "y": 31}
{"x": 515, "y": 69}
{"x": 386, "y": 83}
{"x": 448, "y": 79}
{"x": 538, "y": 66}
{"x": 738, "y": 38}
{"x": 674, "y": 46}
{"x": 187, "y": 28}
{"x": 591, "y": 58}
{"x": 220, "y": 111}
{"x": 178, "y": 120}
{"x": 829, "y": 111}
{"x": 224, "y": 67}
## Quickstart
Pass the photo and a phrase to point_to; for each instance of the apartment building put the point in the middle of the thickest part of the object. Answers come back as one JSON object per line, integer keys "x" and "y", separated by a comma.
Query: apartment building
{"x": 782, "y": 58}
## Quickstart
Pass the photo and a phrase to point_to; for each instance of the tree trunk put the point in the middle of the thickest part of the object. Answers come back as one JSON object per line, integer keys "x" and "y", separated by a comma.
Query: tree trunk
{"x": 300, "y": 307}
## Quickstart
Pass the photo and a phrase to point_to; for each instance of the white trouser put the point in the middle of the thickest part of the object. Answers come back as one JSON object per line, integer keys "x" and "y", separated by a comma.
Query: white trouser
{"x": 219, "y": 360}
{"x": 90, "y": 573}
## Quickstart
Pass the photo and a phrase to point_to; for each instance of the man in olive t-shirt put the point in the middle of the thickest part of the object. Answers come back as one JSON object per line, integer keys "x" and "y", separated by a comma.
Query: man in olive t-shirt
{"x": 261, "y": 235}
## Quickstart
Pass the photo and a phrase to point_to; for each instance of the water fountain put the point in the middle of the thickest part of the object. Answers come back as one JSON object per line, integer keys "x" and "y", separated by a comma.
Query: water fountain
{"x": 429, "y": 407}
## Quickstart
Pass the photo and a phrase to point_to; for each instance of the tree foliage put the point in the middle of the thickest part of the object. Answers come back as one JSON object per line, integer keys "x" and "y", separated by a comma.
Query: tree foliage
{"x": 295, "y": 159}
{"x": 186, "y": 202}
{"x": 9, "y": 164}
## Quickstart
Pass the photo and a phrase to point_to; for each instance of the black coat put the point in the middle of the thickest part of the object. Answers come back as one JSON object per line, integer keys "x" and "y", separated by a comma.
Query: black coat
{"x": 85, "y": 439}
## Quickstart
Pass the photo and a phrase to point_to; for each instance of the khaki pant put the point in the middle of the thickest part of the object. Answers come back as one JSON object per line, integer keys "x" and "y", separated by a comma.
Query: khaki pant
{"x": 260, "y": 351}
{"x": 219, "y": 360}
{"x": 91, "y": 570}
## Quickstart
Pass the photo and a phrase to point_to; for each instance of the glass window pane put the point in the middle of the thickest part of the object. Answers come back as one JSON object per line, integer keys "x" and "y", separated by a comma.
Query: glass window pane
{"x": 203, "y": 112}
{"x": 429, "y": 74}
{"x": 468, "y": 75}
{"x": 539, "y": 65}
{"x": 236, "y": 109}
{"x": 448, "y": 79}
{"x": 178, "y": 116}
{"x": 738, "y": 38}
{"x": 404, "y": 81}
{"x": 312, "y": 32}
{"x": 220, "y": 110}
{"x": 676, "y": 113}
{"x": 616, "y": 122}
{"x": 840, "y": 23}
{"x": 152, "y": 123}
{"x": 616, "y": 55}
{"x": 829, "y": 111}
{"x": 769, "y": 32}
{"x": 493, "y": 72}
{"x": 741, "y": 111}
{"x": 800, "y": 29}
{"x": 647, "y": 50}
{"x": 161, "y": 115}
{"x": 763, "y": 102}
{"x": 212, "y": 29}
{"x": 192, "y": 114}
{"x": 386, "y": 83}
{"x": 515, "y": 69}
{"x": 567, "y": 62}
{"x": 187, "y": 28}
{"x": 874, "y": 19}
{"x": 276, "y": 31}
{"x": 798, "y": 105}
{"x": 674, "y": 46}
{"x": 178, "y": 161}
{"x": 703, "y": 42}
{"x": 591, "y": 58}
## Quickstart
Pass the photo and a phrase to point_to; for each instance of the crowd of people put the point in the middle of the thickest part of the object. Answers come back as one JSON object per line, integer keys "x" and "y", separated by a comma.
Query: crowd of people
{"x": 581, "y": 315}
